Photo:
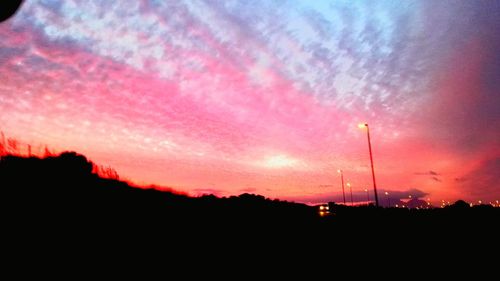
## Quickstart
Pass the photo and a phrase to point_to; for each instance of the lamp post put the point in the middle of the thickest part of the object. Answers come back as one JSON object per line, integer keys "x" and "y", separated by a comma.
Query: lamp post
{"x": 388, "y": 199}
{"x": 350, "y": 188}
{"x": 371, "y": 161}
{"x": 342, "y": 180}
{"x": 367, "y": 196}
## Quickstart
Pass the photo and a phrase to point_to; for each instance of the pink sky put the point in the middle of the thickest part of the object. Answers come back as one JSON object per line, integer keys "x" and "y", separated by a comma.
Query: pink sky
{"x": 231, "y": 98}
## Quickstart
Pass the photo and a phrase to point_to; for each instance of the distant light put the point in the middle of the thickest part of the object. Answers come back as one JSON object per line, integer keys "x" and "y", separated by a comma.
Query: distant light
{"x": 386, "y": 193}
{"x": 339, "y": 171}
{"x": 480, "y": 202}
{"x": 321, "y": 207}
{"x": 409, "y": 196}
{"x": 362, "y": 125}
{"x": 326, "y": 208}
{"x": 366, "y": 190}
{"x": 397, "y": 206}
{"x": 348, "y": 184}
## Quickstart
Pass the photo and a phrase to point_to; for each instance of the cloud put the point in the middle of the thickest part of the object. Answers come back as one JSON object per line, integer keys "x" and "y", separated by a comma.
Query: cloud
{"x": 436, "y": 179}
{"x": 361, "y": 196}
{"x": 429, "y": 173}
{"x": 398, "y": 194}
{"x": 433, "y": 175}
{"x": 248, "y": 190}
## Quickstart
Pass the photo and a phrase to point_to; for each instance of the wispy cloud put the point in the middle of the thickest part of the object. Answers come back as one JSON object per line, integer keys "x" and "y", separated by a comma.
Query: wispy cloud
{"x": 429, "y": 173}
{"x": 436, "y": 179}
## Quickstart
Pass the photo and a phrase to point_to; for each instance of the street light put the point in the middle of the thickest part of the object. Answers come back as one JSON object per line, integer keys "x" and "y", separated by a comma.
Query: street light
{"x": 342, "y": 179}
{"x": 388, "y": 199}
{"x": 349, "y": 185}
{"x": 367, "y": 196}
{"x": 362, "y": 126}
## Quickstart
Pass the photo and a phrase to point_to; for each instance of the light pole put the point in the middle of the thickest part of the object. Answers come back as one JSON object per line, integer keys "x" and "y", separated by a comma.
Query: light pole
{"x": 388, "y": 199}
{"x": 371, "y": 160}
{"x": 350, "y": 188}
{"x": 367, "y": 196}
{"x": 342, "y": 179}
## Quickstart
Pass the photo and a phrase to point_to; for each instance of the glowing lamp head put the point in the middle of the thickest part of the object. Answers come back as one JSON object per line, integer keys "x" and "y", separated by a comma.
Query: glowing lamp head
{"x": 339, "y": 171}
{"x": 386, "y": 193}
{"x": 362, "y": 125}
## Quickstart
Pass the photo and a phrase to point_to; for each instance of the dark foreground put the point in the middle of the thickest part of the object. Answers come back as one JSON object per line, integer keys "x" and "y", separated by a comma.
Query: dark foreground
{"x": 59, "y": 202}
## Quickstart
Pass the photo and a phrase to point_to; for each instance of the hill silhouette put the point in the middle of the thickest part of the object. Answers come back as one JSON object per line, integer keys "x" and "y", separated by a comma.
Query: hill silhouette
{"x": 58, "y": 186}
{"x": 62, "y": 197}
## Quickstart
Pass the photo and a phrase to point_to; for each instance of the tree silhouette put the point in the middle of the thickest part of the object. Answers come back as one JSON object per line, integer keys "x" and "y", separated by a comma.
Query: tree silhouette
{"x": 460, "y": 204}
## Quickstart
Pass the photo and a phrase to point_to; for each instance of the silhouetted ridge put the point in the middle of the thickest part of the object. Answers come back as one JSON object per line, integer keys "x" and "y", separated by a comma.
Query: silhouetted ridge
{"x": 61, "y": 193}
{"x": 65, "y": 185}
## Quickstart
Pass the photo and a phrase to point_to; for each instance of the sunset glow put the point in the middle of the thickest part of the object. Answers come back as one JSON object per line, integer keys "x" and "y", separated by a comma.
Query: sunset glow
{"x": 279, "y": 161}
{"x": 264, "y": 97}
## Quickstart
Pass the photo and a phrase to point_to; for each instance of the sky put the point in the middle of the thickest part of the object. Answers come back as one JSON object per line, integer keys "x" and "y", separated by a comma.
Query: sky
{"x": 264, "y": 97}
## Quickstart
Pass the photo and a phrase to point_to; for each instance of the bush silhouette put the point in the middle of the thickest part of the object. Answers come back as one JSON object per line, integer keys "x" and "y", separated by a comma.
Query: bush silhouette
{"x": 460, "y": 204}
